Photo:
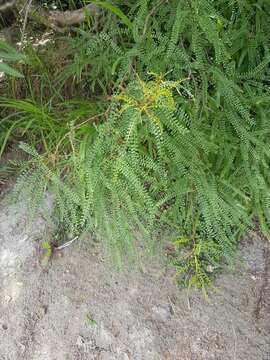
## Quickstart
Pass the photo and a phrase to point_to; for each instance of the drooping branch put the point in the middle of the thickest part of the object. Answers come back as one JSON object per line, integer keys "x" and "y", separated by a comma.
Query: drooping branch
{"x": 68, "y": 18}
{"x": 61, "y": 20}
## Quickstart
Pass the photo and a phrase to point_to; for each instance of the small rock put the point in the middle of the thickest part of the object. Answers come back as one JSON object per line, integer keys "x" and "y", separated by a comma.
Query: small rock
{"x": 104, "y": 339}
{"x": 42, "y": 311}
{"x": 161, "y": 313}
{"x": 80, "y": 342}
{"x": 210, "y": 268}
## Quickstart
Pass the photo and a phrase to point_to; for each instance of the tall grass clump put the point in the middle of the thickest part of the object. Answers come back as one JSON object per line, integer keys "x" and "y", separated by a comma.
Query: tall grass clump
{"x": 182, "y": 145}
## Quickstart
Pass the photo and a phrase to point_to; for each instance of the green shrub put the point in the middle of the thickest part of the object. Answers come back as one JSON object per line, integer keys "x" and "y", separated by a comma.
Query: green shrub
{"x": 183, "y": 150}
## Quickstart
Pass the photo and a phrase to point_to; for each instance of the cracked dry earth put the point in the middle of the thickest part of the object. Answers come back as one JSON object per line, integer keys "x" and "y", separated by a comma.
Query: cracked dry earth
{"x": 77, "y": 308}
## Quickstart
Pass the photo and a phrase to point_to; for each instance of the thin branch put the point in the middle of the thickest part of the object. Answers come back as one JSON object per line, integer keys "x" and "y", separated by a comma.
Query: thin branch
{"x": 25, "y": 22}
{"x": 61, "y": 20}
{"x": 66, "y": 244}
{"x": 150, "y": 14}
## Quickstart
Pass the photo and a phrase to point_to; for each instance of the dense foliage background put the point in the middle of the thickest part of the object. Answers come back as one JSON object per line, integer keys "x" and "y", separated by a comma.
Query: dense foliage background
{"x": 150, "y": 125}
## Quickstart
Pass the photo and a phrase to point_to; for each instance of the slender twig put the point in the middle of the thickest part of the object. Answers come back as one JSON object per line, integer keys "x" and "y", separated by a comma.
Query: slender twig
{"x": 27, "y": 9}
{"x": 150, "y": 14}
{"x": 66, "y": 244}
{"x": 76, "y": 127}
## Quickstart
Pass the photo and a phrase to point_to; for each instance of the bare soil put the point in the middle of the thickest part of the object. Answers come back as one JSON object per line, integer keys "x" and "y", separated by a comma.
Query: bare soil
{"x": 78, "y": 308}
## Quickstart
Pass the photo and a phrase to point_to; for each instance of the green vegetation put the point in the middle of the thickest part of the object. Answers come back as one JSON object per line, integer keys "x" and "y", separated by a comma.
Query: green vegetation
{"x": 151, "y": 122}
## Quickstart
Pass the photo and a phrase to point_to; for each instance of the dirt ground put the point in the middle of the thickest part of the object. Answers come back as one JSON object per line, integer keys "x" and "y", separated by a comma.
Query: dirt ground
{"x": 78, "y": 308}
